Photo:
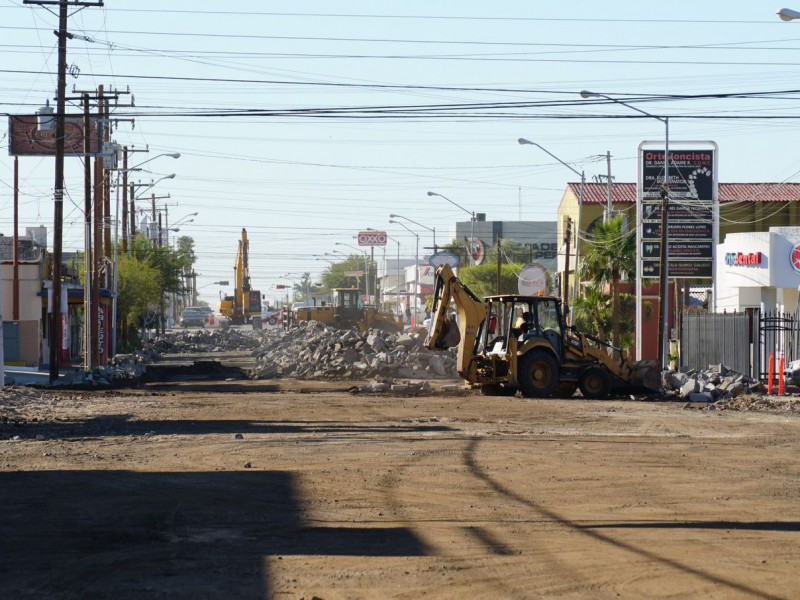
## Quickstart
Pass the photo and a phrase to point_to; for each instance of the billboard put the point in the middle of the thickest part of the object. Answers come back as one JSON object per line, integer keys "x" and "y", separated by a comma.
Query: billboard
{"x": 690, "y": 209}
{"x": 372, "y": 238}
{"x": 26, "y": 138}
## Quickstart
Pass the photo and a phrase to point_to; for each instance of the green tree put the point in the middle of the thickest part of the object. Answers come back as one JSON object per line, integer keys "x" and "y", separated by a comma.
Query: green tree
{"x": 511, "y": 251}
{"x": 338, "y": 275}
{"x": 610, "y": 257}
{"x": 138, "y": 297}
{"x": 482, "y": 279}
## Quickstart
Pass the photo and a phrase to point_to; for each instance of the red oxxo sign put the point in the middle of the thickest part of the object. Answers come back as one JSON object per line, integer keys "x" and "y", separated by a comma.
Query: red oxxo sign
{"x": 372, "y": 238}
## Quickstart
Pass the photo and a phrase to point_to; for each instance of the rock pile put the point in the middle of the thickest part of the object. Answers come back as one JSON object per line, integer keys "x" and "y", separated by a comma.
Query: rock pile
{"x": 717, "y": 383}
{"x": 312, "y": 350}
{"x": 200, "y": 340}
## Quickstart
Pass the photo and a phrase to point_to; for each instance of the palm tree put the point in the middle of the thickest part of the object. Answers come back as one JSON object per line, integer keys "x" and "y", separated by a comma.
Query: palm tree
{"x": 611, "y": 256}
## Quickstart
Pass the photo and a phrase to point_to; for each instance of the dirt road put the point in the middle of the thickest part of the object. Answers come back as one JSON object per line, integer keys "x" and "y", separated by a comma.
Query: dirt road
{"x": 306, "y": 491}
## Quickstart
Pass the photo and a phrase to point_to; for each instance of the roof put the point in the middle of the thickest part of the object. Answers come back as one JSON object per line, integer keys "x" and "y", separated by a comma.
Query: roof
{"x": 625, "y": 193}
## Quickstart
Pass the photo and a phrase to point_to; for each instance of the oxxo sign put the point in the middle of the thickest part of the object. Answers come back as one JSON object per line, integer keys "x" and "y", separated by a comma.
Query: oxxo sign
{"x": 372, "y": 238}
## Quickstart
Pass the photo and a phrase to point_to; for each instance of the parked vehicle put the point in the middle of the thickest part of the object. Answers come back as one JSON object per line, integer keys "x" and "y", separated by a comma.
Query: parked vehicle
{"x": 273, "y": 317}
{"x": 192, "y": 318}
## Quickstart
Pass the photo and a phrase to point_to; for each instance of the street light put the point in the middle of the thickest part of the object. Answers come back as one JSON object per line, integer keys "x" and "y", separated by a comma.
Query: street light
{"x": 787, "y": 14}
{"x": 523, "y": 141}
{"x": 416, "y": 267}
{"x": 431, "y": 229}
{"x": 366, "y": 267}
{"x": 472, "y": 221}
{"x": 663, "y": 336}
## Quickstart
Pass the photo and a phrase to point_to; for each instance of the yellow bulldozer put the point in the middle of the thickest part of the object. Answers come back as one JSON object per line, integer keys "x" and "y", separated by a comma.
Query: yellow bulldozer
{"x": 348, "y": 310}
{"x": 509, "y": 343}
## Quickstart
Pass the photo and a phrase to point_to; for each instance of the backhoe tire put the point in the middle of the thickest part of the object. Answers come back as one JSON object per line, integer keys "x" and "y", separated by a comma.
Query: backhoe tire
{"x": 496, "y": 389}
{"x": 595, "y": 383}
{"x": 538, "y": 374}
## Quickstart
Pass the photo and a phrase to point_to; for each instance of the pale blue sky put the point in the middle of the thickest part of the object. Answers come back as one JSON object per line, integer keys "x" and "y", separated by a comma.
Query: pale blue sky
{"x": 301, "y": 183}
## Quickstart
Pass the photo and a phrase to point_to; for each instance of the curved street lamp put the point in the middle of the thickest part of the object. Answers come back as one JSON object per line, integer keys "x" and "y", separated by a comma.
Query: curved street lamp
{"x": 416, "y": 267}
{"x": 431, "y": 229}
{"x": 472, "y": 221}
{"x": 663, "y": 336}
{"x": 366, "y": 266}
{"x": 523, "y": 142}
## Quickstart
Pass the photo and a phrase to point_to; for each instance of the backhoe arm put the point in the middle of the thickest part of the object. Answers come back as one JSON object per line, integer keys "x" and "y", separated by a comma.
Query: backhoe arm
{"x": 471, "y": 311}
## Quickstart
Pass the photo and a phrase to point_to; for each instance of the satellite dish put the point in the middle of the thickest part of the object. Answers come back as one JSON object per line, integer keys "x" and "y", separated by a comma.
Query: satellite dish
{"x": 533, "y": 280}
{"x": 444, "y": 258}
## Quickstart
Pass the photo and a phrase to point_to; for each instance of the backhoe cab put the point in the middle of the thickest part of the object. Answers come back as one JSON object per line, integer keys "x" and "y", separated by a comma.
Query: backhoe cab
{"x": 511, "y": 343}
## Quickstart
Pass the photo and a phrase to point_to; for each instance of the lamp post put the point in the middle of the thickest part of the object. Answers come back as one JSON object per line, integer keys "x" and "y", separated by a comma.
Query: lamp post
{"x": 663, "y": 335}
{"x": 472, "y": 221}
{"x": 366, "y": 266}
{"x": 523, "y": 141}
{"x": 787, "y": 14}
{"x": 431, "y": 229}
{"x": 416, "y": 268}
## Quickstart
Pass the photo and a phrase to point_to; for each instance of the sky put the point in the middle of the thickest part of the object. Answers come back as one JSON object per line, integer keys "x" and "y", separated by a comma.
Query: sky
{"x": 307, "y": 122}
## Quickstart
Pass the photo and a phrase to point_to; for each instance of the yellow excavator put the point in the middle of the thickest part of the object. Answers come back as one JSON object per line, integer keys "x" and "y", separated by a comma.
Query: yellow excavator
{"x": 511, "y": 343}
{"x": 348, "y": 310}
{"x": 244, "y": 306}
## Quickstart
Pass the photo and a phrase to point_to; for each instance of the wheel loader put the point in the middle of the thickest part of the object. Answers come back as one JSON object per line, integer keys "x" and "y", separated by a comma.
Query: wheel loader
{"x": 509, "y": 343}
{"x": 348, "y": 311}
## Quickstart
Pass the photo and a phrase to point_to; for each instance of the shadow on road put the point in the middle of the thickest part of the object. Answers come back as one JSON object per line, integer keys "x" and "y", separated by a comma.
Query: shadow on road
{"x": 118, "y": 425}
{"x": 95, "y": 534}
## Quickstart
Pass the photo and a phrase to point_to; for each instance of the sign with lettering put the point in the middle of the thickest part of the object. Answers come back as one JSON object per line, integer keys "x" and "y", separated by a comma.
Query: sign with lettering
{"x": 372, "y": 238}
{"x": 743, "y": 258}
{"x": 692, "y": 193}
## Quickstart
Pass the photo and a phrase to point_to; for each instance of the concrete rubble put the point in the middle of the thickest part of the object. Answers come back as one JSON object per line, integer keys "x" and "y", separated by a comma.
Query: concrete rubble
{"x": 312, "y": 350}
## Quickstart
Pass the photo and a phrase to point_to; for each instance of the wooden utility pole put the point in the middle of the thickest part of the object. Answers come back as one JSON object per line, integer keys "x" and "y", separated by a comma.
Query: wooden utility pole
{"x": 499, "y": 263}
{"x": 87, "y": 241}
{"x": 58, "y": 188}
{"x": 565, "y": 292}
{"x": 15, "y": 286}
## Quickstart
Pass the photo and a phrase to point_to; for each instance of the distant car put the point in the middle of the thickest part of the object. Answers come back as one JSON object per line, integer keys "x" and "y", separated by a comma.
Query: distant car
{"x": 192, "y": 318}
{"x": 791, "y": 373}
{"x": 273, "y": 317}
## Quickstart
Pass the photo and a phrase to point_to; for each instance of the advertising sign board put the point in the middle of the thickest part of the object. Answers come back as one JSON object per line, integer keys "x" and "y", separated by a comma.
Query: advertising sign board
{"x": 372, "y": 238}
{"x": 690, "y": 206}
{"x": 26, "y": 139}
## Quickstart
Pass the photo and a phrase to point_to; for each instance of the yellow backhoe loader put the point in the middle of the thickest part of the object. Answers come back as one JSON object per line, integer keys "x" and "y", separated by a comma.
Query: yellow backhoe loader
{"x": 511, "y": 343}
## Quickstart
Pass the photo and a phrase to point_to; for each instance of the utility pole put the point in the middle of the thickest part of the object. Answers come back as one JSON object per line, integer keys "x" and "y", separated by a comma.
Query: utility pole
{"x": 610, "y": 207}
{"x": 565, "y": 292}
{"x": 88, "y": 322}
{"x": 499, "y": 263}
{"x": 58, "y": 191}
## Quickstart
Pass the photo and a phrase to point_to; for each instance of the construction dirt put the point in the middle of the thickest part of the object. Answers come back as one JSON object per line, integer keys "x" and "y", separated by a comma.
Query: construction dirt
{"x": 289, "y": 489}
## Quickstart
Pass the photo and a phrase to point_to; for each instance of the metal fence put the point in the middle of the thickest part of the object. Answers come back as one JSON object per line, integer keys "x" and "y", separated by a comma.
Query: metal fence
{"x": 742, "y": 341}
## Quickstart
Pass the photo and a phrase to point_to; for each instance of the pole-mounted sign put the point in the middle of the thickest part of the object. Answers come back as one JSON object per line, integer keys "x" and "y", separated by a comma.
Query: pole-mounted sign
{"x": 372, "y": 238}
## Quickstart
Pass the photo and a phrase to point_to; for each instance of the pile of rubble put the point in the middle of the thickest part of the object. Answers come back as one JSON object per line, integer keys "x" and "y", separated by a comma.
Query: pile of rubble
{"x": 719, "y": 388}
{"x": 312, "y": 350}
{"x": 200, "y": 340}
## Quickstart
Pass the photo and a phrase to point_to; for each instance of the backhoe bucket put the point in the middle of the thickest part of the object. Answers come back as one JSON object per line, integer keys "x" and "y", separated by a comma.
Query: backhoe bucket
{"x": 646, "y": 374}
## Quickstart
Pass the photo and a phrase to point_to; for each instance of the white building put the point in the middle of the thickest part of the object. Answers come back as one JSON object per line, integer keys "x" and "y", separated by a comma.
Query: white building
{"x": 759, "y": 269}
